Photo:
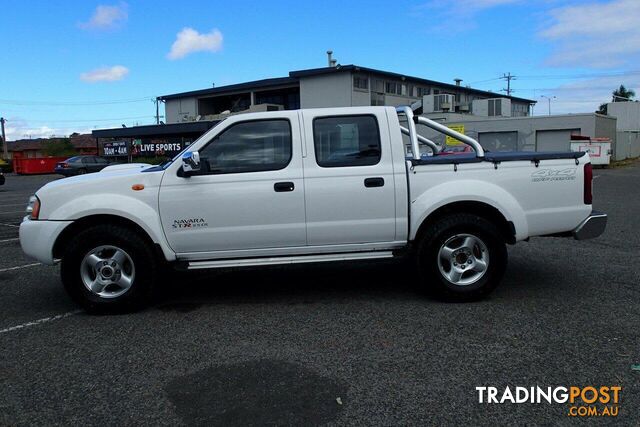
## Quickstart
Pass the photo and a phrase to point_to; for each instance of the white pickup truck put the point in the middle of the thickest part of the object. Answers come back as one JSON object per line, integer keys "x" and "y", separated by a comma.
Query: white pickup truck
{"x": 305, "y": 186}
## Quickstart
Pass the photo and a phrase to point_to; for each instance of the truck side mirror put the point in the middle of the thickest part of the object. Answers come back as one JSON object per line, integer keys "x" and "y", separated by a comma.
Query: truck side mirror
{"x": 190, "y": 162}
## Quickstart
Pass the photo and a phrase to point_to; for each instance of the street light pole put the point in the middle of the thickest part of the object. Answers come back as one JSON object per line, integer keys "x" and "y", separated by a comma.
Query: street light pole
{"x": 549, "y": 98}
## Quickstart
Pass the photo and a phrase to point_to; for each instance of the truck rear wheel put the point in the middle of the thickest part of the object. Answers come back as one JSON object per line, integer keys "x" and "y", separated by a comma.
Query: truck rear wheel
{"x": 109, "y": 268}
{"x": 462, "y": 257}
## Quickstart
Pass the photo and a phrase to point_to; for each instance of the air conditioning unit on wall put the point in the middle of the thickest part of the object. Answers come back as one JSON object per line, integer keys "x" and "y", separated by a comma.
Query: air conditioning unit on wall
{"x": 438, "y": 103}
{"x": 492, "y": 107}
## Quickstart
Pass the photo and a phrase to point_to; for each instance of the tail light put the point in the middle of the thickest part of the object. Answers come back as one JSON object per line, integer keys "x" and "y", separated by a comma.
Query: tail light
{"x": 64, "y": 165}
{"x": 588, "y": 184}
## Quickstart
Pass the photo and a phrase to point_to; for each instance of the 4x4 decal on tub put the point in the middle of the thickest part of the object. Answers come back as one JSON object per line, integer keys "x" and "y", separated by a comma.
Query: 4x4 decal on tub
{"x": 545, "y": 175}
{"x": 189, "y": 223}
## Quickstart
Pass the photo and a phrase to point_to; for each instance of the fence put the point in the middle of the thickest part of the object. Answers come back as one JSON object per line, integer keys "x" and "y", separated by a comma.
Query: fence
{"x": 627, "y": 145}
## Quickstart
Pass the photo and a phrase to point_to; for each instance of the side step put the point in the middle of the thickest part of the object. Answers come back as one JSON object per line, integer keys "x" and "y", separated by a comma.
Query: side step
{"x": 197, "y": 265}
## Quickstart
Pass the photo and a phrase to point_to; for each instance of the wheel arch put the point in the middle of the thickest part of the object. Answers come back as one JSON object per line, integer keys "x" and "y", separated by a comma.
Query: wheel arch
{"x": 100, "y": 219}
{"x": 482, "y": 209}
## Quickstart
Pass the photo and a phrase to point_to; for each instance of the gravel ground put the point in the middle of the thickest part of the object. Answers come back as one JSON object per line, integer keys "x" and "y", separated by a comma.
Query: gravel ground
{"x": 338, "y": 345}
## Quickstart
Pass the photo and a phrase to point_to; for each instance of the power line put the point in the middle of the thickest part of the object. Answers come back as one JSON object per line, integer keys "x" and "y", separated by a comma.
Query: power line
{"x": 484, "y": 81}
{"x": 563, "y": 76}
{"x": 580, "y": 75}
{"x": 115, "y": 119}
{"x": 88, "y": 120}
{"x": 72, "y": 103}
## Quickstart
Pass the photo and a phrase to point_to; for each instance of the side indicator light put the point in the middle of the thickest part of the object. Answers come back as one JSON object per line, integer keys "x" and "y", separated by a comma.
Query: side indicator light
{"x": 137, "y": 187}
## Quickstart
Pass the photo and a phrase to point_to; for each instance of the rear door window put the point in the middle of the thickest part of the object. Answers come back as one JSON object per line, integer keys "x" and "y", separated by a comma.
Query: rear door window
{"x": 343, "y": 141}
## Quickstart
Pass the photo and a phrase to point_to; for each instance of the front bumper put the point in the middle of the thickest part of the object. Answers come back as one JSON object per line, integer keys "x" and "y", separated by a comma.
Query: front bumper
{"x": 591, "y": 227}
{"x": 37, "y": 238}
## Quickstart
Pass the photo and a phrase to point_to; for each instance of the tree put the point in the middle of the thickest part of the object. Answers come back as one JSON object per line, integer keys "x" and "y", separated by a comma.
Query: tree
{"x": 58, "y": 148}
{"x": 622, "y": 94}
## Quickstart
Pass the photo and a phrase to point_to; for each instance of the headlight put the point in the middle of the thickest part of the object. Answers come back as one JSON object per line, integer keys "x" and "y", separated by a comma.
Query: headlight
{"x": 33, "y": 208}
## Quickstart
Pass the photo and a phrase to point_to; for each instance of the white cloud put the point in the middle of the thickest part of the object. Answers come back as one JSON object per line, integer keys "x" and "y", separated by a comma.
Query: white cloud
{"x": 469, "y": 6}
{"x": 595, "y": 34}
{"x": 105, "y": 74}
{"x": 189, "y": 40}
{"x": 18, "y": 128}
{"x": 106, "y": 17}
{"x": 461, "y": 9}
{"x": 442, "y": 13}
{"x": 585, "y": 96}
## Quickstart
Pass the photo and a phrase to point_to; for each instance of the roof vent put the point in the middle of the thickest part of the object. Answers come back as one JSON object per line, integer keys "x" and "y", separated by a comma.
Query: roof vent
{"x": 330, "y": 61}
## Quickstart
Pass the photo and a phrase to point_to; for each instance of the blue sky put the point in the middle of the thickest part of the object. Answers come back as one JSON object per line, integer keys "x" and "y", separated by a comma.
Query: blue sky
{"x": 81, "y": 65}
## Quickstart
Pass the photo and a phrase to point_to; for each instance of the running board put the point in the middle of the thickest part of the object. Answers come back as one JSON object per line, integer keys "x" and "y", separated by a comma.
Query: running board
{"x": 197, "y": 265}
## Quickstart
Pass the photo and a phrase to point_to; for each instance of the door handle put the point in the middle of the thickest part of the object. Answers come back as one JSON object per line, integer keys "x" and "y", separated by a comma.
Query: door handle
{"x": 280, "y": 187}
{"x": 374, "y": 182}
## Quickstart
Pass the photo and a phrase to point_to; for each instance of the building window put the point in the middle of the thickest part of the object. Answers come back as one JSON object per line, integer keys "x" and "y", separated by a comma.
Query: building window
{"x": 377, "y": 98}
{"x": 423, "y": 91}
{"x": 393, "y": 88}
{"x": 255, "y": 146}
{"x": 377, "y": 85}
{"x": 360, "y": 82}
{"x": 411, "y": 91}
{"x": 346, "y": 141}
{"x": 519, "y": 110}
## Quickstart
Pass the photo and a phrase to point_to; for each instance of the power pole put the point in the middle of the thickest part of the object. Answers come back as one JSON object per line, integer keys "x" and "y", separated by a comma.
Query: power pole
{"x": 5, "y": 148}
{"x": 158, "y": 101}
{"x": 508, "y": 77}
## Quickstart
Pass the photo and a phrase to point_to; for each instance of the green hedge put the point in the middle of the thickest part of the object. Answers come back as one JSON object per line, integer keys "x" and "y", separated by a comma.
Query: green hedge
{"x": 151, "y": 160}
{"x": 6, "y": 166}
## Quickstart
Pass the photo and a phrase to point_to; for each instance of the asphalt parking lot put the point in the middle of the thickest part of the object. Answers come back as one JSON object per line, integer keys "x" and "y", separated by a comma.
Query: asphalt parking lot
{"x": 341, "y": 345}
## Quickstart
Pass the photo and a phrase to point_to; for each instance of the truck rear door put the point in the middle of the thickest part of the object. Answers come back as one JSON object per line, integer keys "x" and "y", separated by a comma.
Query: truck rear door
{"x": 348, "y": 177}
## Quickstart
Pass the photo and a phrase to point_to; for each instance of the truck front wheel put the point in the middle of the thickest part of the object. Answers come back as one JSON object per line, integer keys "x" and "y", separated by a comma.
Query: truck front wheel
{"x": 462, "y": 257}
{"x": 108, "y": 268}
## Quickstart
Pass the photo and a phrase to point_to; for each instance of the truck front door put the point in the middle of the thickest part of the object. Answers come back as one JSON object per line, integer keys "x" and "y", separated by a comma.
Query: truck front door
{"x": 249, "y": 194}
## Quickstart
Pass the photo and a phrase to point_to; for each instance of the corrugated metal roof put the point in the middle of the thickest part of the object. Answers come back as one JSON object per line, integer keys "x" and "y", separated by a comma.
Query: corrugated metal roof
{"x": 294, "y": 77}
{"x": 256, "y": 84}
{"x": 78, "y": 141}
{"x": 172, "y": 129}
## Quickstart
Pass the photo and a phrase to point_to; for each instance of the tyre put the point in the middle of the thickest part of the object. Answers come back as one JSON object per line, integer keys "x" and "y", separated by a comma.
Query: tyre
{"x": 109, "y": 269}
{"x": 82, "y": 171}
{"x": 462, "y": 257}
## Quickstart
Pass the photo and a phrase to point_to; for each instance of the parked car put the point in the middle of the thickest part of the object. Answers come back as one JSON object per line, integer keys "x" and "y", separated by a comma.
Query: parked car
{"x": 79, "y": 165}
{"x": 303, "y": 186}
{"x": 1, "y": 178}
{"x": 456, "y": 150}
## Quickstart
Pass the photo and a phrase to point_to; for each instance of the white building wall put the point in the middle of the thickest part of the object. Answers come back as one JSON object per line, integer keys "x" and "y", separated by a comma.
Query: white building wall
{"x": 360, "y": 98}
{"x": 175, "y": 109}
{"x": 329, "y": 90}
{"x": 627, "y": 113}
{"x": 529, "y": 129}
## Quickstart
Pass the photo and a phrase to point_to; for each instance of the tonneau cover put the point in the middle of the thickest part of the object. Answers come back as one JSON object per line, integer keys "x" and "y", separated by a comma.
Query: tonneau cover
{"x": 497, "y": 157}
